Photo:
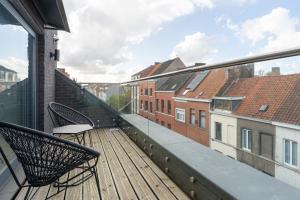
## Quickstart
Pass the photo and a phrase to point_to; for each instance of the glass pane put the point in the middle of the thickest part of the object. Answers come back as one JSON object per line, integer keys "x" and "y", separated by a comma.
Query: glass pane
{"x": 244, "y": 138}
{"x": 16, "y": 73}
{"x": 249, "y": 139}
{"x": 287, "y": 151}
{"x": 294, "y": 153}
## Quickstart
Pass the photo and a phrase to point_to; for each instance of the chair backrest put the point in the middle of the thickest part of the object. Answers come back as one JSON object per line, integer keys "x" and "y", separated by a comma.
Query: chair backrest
{"x": 44, "y": 157}
{"x": 62, "y": 115}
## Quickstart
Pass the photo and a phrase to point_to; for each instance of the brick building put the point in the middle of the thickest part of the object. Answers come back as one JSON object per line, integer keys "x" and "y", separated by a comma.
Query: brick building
{"x": 145, "y": 95}
{"x": 182, "y": 102}
{"x": 165, "y": 92}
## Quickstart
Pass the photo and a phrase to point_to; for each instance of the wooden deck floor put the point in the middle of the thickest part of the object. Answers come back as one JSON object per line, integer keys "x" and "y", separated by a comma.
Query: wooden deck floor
{"x": 125, "y": 172}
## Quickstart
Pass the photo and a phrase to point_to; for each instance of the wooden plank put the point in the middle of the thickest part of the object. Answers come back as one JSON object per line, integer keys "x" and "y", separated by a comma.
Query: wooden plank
{"x": 74, "y": 193}
{"x": 166, "y": 180}
{"x": 159, "y": 188}
{"x": 107, "y": 185}
{"x": 123, "y": 185}
{"x": 139, "y": 185}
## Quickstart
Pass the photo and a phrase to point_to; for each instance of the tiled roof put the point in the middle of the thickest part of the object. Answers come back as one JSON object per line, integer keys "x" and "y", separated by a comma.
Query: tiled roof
{"x": 165, "y": 65}
{"x": 289, "y": 111}
{"x": 158, "y": 68}
{"x": 208, "y": 87}
{"x": 279, "y": 93}
{"x": 147, "y": 71}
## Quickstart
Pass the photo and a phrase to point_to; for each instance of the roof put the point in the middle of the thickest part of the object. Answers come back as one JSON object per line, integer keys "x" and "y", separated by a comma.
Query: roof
{"x": 158, "y": 68}
{"x": 279, "y": 93}
{"x": 6, "y": 70}
{"x": 174, "y": 83}
{"x": 147, "y": 71}
{"x": 208, "y": 86}
{"x": 169, "y": 65}
{"x": 53, "y": 13}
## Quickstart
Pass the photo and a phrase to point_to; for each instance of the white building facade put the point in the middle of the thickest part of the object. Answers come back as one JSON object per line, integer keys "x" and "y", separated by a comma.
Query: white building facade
{"x": 287, "y": 154}
{"x": 224, "y": 125}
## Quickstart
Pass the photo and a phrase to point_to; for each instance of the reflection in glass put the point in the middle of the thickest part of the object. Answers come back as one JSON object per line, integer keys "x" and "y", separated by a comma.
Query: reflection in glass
{"x": 16, "y": 73}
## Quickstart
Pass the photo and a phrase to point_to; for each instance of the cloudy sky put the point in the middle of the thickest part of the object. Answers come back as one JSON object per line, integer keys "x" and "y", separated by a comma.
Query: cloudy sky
{"x": 112, "y": 39}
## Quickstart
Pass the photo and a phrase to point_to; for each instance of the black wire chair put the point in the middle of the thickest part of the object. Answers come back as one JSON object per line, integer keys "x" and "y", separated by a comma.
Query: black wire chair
{"x": 62, "y": 115}
{"x": 46, "y": 158}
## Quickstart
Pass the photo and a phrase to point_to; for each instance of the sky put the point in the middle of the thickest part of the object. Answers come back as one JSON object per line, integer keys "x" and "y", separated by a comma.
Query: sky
{"x": 113, "y": 39}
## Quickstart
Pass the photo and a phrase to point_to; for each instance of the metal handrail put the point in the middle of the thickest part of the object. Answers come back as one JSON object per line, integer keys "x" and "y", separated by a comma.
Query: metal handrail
{"x": 240, "y": 61}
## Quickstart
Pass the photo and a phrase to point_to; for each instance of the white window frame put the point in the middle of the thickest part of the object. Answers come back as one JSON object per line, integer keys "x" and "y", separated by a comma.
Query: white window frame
{"x": 247, "y": 147}
{"x": 181, "y": 112}
{"x": 290, "y": 163}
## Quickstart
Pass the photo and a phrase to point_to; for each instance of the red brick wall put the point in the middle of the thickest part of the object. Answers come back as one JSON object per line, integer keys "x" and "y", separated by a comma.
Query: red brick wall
{"x": 194, "y": 132}
{"x": 165, "y": 116}
{"x": 142, "y": 86}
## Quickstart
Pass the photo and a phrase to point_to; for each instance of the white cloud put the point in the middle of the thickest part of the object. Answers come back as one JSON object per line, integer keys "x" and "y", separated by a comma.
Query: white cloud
{"x": 195, "y": 48}
{"x": 276, "y": 30}
{"x": 102, "y": 30}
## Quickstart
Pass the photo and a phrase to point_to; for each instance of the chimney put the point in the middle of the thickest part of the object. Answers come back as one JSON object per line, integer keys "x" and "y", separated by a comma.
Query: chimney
{"x": 240, "y": 71}
{"x": 275, "y": 71}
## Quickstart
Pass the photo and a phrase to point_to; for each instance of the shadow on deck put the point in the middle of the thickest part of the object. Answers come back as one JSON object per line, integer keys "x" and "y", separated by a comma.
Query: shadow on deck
{"x": 124, "y": 170}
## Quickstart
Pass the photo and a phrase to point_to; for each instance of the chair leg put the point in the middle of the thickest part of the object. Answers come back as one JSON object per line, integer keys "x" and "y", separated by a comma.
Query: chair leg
{"x": 97, "y": 181}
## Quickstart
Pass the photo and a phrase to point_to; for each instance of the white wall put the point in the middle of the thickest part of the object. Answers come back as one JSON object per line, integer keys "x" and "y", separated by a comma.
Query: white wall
{"x": 229, "y": 134}
{"x": 283, "y": 173}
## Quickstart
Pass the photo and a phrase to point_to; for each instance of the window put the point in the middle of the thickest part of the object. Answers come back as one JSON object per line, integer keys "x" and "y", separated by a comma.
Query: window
{"x": 141, "y": 105}
{"x": 156, "y": 104}
{"x": 169, "y": 126}
{"x": 162, "y": 123}
{"x": 169, "y": 107}
{"x": 246, "y": 139}
{"x": 141, "y": 91}
{"x": 17, "y": 81}
{"x": 202, "y": 120}
{"x": 266, "y": 145}
{"x": 146, "y": 105}
{"x": 218, "y": 131}
{"x": 151, "y": 110}
{"x": 192, "y": 116}
{"x": 290, "y": 152}
{"x": 180, "y": 115}
{"x": 146, "y": 91}
{"x": 162, "y": 104}
{"x": 157, "y": 121}
{"x": 150, "y": 91}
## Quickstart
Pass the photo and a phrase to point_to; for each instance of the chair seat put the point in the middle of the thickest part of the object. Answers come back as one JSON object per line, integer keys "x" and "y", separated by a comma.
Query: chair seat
{"x": 72, "y": 129}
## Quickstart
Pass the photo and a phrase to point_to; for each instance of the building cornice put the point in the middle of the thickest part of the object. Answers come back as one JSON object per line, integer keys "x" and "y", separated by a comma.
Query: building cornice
{"x": 286, "y": 125}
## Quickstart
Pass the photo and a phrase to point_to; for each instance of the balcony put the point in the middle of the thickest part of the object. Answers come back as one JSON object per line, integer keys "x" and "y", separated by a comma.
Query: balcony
{"x": 221, "y": 131}
{"x": 125, "y": 172}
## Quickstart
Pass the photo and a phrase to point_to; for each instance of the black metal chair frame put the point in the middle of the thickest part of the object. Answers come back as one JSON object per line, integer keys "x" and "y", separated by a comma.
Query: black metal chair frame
{"x": 46, "y": 158}
{"x": 62, "y": 115}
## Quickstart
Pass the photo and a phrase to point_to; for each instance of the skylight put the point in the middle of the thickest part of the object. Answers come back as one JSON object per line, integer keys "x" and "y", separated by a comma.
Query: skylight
{"x": 263, "y": 108}
{"x": 185, "y": 92}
